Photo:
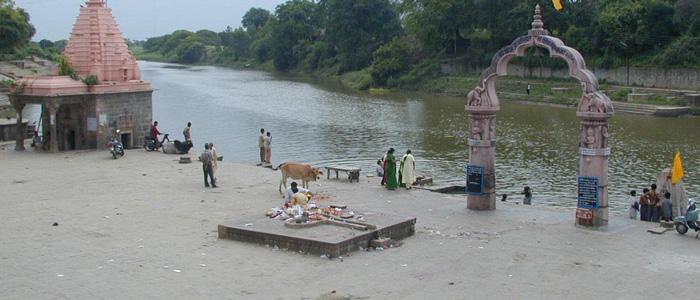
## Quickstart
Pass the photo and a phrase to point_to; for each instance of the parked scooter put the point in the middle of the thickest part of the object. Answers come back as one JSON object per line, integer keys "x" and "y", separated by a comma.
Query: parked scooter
{"x": 150, "y": 143}
{"x": 115, "y": 147}
{"x": 689, "y": 220}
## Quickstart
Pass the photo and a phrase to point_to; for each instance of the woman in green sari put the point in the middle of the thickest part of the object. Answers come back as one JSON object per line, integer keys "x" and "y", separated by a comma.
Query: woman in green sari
{"x": 390, "y": 173}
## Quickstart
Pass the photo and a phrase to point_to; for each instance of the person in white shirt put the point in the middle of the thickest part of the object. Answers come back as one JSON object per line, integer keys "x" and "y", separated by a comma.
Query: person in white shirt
{"x": 292, "y": 192}
{"x": 633, "y": 205}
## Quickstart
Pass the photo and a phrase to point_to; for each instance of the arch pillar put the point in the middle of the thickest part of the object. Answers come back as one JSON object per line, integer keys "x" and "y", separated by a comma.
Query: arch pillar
{"x": 594, "y": 110}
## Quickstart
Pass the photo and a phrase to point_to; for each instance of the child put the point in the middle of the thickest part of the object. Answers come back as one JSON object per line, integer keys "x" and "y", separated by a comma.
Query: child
{"x": 380, "y": 169}
{"x": 633, "y": 205}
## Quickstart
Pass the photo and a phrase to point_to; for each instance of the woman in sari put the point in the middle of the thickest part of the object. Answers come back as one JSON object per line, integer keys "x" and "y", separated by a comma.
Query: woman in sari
{"x": 390, "y": 174}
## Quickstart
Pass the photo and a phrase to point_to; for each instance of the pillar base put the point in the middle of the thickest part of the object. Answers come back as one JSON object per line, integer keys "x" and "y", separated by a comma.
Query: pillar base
{"x": 599, "y": 219}
{"x": 481, "y": 202}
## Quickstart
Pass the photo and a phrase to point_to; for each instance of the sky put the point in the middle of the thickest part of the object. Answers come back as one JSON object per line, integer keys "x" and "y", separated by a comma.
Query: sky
{"x": 141, "y": 19}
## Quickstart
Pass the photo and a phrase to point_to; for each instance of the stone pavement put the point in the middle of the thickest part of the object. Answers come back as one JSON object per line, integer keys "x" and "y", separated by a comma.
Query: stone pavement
{"x": 144, "y": 227}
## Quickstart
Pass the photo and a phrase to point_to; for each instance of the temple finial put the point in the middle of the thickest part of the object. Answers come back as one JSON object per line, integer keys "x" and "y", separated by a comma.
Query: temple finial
{"x": 537, "y": 24}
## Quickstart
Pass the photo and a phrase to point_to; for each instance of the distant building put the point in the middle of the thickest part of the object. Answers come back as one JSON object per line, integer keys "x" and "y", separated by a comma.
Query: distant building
{"x": 81, "y": 116}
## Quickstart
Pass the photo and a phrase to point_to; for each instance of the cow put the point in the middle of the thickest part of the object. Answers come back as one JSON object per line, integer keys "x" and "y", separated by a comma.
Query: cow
{"x": 296, "y": 170}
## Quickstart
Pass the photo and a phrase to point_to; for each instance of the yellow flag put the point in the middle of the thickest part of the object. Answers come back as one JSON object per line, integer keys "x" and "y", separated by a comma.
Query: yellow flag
{"x": 557, "y": 4}
{"x": 677, "y": 168}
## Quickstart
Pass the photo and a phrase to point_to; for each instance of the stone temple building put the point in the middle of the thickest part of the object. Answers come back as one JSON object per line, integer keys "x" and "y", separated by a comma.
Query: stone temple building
{"x": 82, "y": 116}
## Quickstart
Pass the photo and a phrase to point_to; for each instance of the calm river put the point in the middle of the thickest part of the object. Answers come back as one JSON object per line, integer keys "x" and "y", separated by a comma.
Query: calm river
{"x": 322, "y": 123}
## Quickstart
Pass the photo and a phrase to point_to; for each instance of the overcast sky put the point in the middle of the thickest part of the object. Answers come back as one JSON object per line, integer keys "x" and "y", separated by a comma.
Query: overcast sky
{"x": 141, "y": 19}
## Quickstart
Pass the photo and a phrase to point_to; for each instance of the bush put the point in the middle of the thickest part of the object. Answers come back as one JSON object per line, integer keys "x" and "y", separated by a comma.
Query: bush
{"x": 620, "y": 95}
{"x": 695, "y": 111}
{"x": 91, "y": 80}
{"x": 360, "y": 80}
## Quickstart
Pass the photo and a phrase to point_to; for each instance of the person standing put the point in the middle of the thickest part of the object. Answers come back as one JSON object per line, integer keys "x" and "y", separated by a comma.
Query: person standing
{"x": 382, "y": 162}
{"x": 633, "y": 205}
{"x": 207, "y": 163}
{"x": 154, "y": 134}
{"x": 528, "y": 88}
{"x": 654, "y": 203}
{"x": 390, "y": 170}
{"x": 407, "y": 170}
{"x": 644, "y": 212}
{"x": 527, "y": 199}
{"x": 667, "y": 208}
{"x": 215, "y": 162}
{"x": 261, "y": 144}
{"x": 267, "y": 144}
{"x": 186, "y": 132}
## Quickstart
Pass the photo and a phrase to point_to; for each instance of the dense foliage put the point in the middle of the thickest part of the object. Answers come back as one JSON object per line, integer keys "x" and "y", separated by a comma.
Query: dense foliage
{"x": 397, "y": 42}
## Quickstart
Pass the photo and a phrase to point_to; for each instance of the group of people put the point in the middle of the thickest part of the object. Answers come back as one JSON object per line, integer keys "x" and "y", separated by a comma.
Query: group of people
{"x": 652, "y": 206}
{"x": 386, "y": 168}
{"x": 264, "y": 143}
{"x": 210, "y": 160}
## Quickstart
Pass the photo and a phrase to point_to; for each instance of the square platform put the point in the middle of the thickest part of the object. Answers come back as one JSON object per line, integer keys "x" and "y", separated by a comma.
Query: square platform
{"x": 330, "y": 240}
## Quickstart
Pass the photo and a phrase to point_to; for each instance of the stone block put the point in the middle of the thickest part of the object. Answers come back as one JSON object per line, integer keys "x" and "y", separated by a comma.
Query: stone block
{"x": 560, "y": 90}
{"x": 632, "y": 97}
{"x": 380, "y": 242}
{"x": 692, "y": 99}
{"x": 666, "y": 224}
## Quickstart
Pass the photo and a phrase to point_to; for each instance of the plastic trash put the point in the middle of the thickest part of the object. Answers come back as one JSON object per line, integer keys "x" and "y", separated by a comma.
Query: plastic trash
{"x": 55, "y": 223}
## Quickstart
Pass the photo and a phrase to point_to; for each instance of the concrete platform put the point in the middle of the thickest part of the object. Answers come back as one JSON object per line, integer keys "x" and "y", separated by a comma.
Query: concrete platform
{"x": 329, "y": 240}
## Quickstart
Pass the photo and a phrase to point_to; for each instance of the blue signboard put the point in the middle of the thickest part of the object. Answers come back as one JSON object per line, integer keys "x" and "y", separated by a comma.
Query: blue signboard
{"x": 475, "y": 180}
{"x": 588, "y": 192}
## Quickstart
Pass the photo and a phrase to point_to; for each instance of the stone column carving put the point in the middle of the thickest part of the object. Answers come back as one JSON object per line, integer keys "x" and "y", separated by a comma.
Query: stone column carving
{"x": 594, "y": 110}
{"x": 52, "y": 109}
{"x": 21, "y": 130}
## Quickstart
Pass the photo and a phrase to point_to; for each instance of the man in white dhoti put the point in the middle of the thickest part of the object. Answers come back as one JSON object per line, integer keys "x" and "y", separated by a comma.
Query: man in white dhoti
{"x": 408, "y": 170}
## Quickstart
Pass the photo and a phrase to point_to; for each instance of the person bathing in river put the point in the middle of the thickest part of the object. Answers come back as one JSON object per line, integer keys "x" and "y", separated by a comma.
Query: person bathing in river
{"x": 527, "y": 200}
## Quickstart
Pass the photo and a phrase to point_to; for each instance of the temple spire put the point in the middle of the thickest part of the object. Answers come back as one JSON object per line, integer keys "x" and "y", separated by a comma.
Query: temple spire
{"x": 537, "y": 24}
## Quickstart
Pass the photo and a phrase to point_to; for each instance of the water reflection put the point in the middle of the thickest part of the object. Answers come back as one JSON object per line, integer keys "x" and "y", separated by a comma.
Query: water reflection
{"x": 321, "y": 122}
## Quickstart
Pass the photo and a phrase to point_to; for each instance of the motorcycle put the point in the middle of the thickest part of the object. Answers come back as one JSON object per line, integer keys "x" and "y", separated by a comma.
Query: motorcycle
{"x": 151, "y": 144}
{"x": 115, "y": 147}
{"x": 689, "y": 220}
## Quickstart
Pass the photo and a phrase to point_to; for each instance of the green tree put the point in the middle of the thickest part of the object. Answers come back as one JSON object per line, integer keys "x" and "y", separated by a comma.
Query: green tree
{"x": 174, "y": 40}
{"x": 255, "y": 18}
{"x": 191, "y": 52}
{"x": 438, "y": 23}
{"x": 15, "y": 29}
{"x": 390, "y": 60}
{"x": 359, "y": 27}
{"x": 209, "y": 37}
{"x": 294, "y": 22}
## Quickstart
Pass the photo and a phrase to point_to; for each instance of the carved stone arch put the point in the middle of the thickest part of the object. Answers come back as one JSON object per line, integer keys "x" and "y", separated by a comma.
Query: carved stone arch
{"x": 594, "y": 109}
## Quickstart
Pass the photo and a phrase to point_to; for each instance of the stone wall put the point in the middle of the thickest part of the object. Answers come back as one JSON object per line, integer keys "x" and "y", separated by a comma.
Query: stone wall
{"x": 687, "y": 79}
{"x": 131, "y": 112}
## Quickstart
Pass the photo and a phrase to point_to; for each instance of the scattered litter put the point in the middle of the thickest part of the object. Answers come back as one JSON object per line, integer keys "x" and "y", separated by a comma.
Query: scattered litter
{"x": 204, "y": 254}
{"x": 404, "y": 265}
{"x": 177, "y": 271}
{"x": 100, "y": 267}
{"x": 481, "y": 247}
{"x": 166, "y": 267}
{"x": 510, "y": 275}
{"x": 249, "y": 224}
{"x": 111, "y": 260}
{"x": 325, "y": 256}
{"x": 276, "y": 248}
{"x": 202, "y": 265}
{"x": 451, "y": 283}
{"x": 106, "y": 217}
{"x": 55, "y": 223}
{"x": 60, "y": 275}
{"x": 140, "y": 246}
{"x": 658, "y": 230}
{"x": 388, "y": 201}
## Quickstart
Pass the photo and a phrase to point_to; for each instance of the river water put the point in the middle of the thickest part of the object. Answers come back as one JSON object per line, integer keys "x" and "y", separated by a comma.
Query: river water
{"x": 322, "y": 123}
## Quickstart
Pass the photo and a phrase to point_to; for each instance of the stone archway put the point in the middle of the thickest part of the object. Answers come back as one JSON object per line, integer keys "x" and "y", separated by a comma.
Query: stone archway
{"x": 594, "y": 109}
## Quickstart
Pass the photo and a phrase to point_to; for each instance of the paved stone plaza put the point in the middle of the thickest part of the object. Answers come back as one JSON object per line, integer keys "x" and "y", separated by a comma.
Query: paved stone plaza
{"x": 144, "y": 227}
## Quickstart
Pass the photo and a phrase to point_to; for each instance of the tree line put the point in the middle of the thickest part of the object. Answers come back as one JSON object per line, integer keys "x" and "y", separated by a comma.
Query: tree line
{"x": 398, "y": 42}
